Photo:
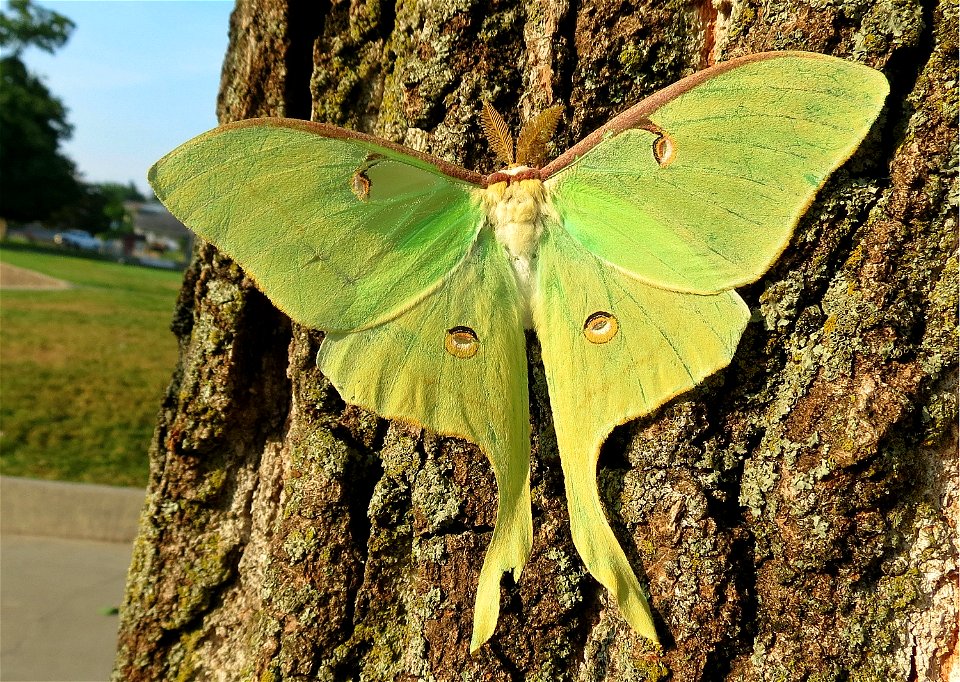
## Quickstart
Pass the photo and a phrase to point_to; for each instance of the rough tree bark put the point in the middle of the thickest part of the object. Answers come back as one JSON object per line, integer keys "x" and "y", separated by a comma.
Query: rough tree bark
{"x": 795, "y": 517}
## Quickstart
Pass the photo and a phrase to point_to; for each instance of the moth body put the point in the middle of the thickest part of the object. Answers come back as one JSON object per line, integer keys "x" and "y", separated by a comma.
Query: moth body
{"x": 516, "y": 212}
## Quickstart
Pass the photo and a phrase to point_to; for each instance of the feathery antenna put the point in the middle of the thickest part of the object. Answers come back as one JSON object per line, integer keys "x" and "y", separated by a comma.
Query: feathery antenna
{"x": 534, "y": 136}
{"x": 497, "y": 132}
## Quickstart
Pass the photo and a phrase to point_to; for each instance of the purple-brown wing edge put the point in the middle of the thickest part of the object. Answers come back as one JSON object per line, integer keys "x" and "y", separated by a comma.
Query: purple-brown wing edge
{"x": 638, "y": 115}
{"x": 335, "y": 132}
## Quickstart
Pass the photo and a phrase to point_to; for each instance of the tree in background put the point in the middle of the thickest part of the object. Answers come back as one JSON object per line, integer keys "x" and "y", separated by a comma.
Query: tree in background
{"x": 115, "y": 195}
{"x": 99, "y": 209}
{"x": 36, "y": 179}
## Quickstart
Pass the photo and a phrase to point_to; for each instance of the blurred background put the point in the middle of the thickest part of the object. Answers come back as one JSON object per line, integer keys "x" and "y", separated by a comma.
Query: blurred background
{"x": 93, "y": 92}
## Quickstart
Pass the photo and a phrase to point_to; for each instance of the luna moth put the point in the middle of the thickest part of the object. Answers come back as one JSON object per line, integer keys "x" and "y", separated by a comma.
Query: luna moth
{"x": 622, "y": 254}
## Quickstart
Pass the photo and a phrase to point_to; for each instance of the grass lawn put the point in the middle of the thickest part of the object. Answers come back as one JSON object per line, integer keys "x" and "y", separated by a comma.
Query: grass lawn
{"x": 82, "y": 370}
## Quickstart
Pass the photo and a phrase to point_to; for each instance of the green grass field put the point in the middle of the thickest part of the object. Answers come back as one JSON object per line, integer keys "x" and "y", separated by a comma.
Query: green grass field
{"x": 82, "y": 370}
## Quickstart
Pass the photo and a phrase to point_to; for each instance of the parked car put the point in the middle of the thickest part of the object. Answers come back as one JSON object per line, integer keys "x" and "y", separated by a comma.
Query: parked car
{"x": 78, "y": 239}
{"x": 35, "y": 233}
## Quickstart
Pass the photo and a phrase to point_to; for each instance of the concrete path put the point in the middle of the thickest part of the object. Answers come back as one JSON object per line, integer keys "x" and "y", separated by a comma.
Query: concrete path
{"x": 13, "y": 277}
{"x": 64, "y": 552}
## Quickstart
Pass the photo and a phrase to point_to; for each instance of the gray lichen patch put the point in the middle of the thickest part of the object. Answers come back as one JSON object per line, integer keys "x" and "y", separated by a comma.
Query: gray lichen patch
{"x": 436, "y": 499}
{"x": 613, "y": 652}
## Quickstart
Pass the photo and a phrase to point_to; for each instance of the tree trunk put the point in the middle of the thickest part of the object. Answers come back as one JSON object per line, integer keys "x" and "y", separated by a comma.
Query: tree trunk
{"x": 794, "y": 517}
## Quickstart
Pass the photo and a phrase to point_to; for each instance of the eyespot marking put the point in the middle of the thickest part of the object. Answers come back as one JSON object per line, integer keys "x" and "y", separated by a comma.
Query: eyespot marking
{"x": 462, "y": 342}
{"x": 664, "y": 150}
{"x": 600, "y": 327}
{"x": 360, "y": 184}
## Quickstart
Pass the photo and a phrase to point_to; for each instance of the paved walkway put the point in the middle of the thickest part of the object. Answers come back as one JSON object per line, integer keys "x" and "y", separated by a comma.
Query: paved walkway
{"x": 64, "y": 552}
{"x": 13, "y": 277}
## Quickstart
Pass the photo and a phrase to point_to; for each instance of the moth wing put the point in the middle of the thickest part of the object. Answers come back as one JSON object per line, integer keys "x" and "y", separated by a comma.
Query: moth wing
{"x": 423, "y": 366}
{"x": 746, "y": 145}
{"x": 642, "y": 346}
{"x": 340, "y": 230}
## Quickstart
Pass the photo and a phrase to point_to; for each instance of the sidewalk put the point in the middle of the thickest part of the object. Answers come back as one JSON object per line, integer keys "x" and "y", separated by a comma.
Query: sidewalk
{"x": 64, "y": 552}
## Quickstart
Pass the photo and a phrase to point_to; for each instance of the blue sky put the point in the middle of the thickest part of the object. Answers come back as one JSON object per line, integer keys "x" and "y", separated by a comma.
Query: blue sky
{"x": 138, "y": 78}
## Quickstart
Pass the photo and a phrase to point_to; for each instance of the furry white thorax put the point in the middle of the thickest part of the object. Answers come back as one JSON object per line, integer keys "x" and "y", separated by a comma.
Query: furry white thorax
{"x": 517, "y": 212}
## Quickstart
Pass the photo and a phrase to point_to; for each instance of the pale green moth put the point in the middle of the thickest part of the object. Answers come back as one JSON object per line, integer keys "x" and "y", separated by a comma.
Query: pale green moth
{"x": 622, "y": 254}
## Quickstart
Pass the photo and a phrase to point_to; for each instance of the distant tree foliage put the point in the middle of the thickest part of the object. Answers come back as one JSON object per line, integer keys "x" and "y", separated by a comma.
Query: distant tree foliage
{"x": 36, "y": 179}
{"x": 99, "y": 209}
{"x": 27, "y": 24}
